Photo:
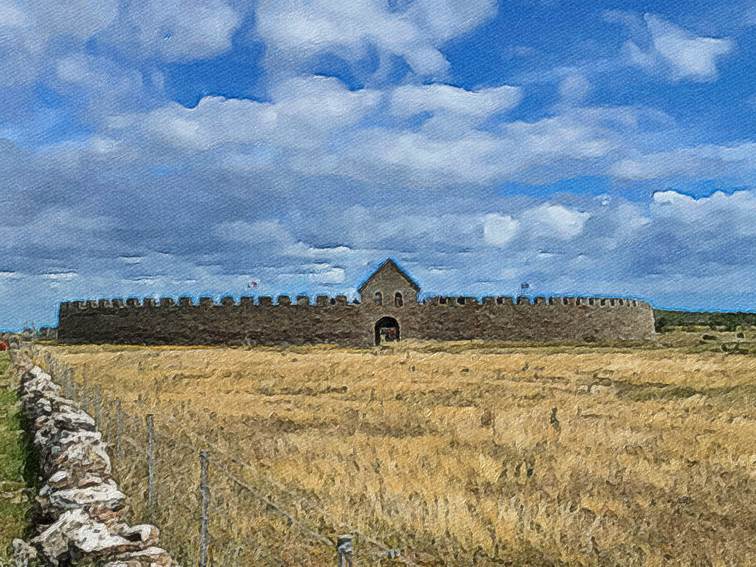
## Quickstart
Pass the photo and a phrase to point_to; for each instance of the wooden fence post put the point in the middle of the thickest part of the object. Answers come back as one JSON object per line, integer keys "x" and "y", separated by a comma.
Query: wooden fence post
{"x": 344, "y": 548}
{"x": 118, "y": 429}
{"x": 150, "y": 466}
{"x": 68, "y": 383}
{"x": 97, "y": 406}
{"x": 205, "y": 505}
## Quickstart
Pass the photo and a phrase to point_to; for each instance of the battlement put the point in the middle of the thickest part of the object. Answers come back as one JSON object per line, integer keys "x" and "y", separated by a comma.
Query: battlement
{"x": 340, "y": 300}
{"x": 553, "y": 301}
{"x": 204, "y": 302}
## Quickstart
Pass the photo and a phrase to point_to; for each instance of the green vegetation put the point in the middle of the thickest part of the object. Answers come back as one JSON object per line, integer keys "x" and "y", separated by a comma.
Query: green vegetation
{"x": 13, "y": 503}
{"x": 713, "y": 320}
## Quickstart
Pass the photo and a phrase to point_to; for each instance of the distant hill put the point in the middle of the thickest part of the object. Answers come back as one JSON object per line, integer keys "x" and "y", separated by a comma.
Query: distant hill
{"x": 712, "y": 319}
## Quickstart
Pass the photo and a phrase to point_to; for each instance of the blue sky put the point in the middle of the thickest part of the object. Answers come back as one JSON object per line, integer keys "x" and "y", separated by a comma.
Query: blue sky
{"x": 160, "y": 148}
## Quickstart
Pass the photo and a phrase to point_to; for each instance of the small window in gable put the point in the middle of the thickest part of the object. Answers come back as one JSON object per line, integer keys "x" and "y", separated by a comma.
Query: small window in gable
{"x": 378, "y": 298}
{"x": 398, "y": 299}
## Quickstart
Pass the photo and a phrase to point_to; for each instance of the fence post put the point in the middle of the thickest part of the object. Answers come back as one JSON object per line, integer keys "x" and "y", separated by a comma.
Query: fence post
{"x": 150, "y": 465}
{"x": 97, "y": 407}
{"x": 205, "y": 496}
{"x": 344, "y": 549}
{"x": 68, "y": 383}
{"x": 118, "y": 429}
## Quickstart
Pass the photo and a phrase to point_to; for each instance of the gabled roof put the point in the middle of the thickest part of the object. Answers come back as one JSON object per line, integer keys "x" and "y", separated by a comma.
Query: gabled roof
{"x": 390, "y": 263}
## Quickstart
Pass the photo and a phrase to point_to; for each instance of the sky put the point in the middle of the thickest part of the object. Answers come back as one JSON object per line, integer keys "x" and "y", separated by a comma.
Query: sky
{"x": 154, "y": 148}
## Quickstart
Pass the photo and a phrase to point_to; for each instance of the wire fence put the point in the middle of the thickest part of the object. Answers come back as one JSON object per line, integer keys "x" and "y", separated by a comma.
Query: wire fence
{"x": 213, "y": 508}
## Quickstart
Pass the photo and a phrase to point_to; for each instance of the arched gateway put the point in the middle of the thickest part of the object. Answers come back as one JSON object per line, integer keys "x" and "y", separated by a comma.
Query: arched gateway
{"x": 386, "y": 330}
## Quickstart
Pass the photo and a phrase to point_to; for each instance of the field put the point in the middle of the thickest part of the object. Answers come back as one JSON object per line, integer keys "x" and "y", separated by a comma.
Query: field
{"x": 456, "y": 453}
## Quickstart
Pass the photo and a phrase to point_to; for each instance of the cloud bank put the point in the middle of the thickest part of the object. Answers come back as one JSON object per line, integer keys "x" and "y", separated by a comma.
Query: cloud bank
{"x": 324, "y": 136}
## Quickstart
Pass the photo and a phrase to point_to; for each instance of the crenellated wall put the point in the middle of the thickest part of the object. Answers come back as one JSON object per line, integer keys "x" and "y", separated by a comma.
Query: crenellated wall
{"x": 262, "y": 320}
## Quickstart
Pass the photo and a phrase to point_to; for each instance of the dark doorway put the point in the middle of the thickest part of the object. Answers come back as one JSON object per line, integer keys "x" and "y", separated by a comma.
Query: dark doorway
{"x": 386, "y": 330}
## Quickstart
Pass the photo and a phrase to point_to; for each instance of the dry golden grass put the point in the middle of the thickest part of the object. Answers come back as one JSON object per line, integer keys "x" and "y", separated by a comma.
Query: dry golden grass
{"x": 447, "y": 451}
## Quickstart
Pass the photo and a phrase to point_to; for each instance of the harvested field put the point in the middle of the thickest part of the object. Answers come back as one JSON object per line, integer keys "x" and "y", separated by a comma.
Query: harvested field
{"x": 456, "y": 453}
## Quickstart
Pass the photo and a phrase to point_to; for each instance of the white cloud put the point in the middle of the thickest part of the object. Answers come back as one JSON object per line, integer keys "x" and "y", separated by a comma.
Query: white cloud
{"x": 177, "y": 30}
{"x": 423, "y": 160}
{"x": 302, "y": 112}
{"x": 327, "y": 275}
{"x": 684, "y": 54}
{"x": 555, "y": 221}
{"x": 33, "y": 33}
{"x": 297, "y": 29}
{"x": 704, "y": 160}
{"x": 215, "y": 120}
{"x": 28, "y": 29}
{"x": 574, "y": 88}
{"x": 499, "y": 230}
{"x": 316, "y": 126}
{"x": 77, "y": 18}
{"x": 102, "y": 85}
{"x": 578, "y": 135}
{"x": 439, "y": 154}
{"x": 737, "y": 210}
{"x": 11, "y": 14}
{"x": 60, "y": 276}
{"x": 409, "y": 100}
{"x": 320, "y": 104}
{"x": 260, "y": 232}
{"x": 52, "y": 228}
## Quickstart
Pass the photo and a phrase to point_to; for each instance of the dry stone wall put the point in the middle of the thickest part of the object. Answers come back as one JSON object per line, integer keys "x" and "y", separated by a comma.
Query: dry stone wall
{"x": 80, "y": 508}
{"x": 334, "y": 320}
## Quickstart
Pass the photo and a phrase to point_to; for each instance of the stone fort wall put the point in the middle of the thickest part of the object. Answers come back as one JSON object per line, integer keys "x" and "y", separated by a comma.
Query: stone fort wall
{"x": 335, "y": 320}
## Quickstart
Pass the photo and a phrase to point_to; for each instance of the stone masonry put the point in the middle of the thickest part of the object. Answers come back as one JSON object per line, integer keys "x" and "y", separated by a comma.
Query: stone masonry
{"x": 388, "y": 309}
